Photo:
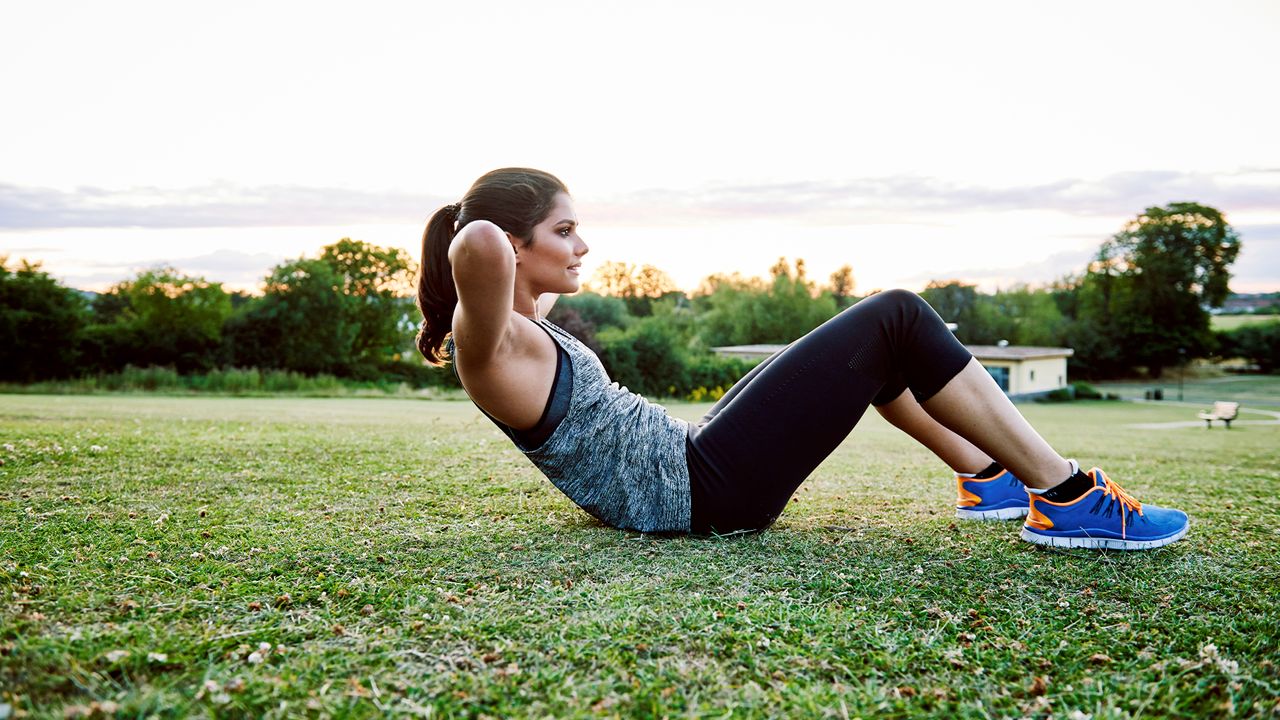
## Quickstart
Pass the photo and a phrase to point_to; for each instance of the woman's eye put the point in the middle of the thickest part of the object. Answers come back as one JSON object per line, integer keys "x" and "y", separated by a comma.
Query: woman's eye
{"x": 564, "y": 232}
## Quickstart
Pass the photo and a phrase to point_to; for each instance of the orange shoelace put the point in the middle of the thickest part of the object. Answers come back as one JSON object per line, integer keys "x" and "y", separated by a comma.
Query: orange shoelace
{"x": 1127, "y": 502}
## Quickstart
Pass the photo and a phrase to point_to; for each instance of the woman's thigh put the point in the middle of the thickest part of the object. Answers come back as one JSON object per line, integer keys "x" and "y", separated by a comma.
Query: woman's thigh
{"x": 776, "y": 425}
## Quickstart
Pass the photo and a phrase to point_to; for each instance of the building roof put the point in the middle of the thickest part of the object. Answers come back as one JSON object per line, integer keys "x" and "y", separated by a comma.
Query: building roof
{"x": 770, "y": 349}
{"x": 1018, "y": 352}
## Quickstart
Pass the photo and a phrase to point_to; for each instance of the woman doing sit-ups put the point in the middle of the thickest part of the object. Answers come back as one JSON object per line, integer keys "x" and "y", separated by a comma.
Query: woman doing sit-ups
{"x": 493, "y": 265}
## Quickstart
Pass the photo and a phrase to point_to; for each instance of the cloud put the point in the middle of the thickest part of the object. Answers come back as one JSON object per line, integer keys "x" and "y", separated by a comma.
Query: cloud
{"x": 1048, "y": 269}
{"x": 32, "y": 250}
{"x": 221, "y": 263}
{"x": 895, "y": 198}
{"x": 1260, "y": 259}
{"x": 1250, "y": 234}
{"x": 232, "y": 268}
{"x": 218, "y": 205}
{"x": 890, "y": 199}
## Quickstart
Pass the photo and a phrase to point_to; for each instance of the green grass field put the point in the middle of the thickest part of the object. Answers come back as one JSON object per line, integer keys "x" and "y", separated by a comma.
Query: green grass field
{"x": 1260, "y": 391}
{"x": 231, "y": 557}
{"x": 1231, "y": 322}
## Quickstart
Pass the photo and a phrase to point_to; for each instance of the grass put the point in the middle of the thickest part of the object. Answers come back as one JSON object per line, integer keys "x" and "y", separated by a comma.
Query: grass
{"x": 251, "y": 382}
{"x": 1231, "y": 322}
{"x": 1261, "y": 391}
{"x": 400, "y": 557}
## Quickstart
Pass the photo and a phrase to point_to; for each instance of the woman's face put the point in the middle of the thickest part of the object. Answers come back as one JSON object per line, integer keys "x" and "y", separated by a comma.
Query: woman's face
{"x": 552, "y": 262}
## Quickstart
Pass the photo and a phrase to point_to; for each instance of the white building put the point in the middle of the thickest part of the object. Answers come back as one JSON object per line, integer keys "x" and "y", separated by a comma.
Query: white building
{"x": 1022, "y": 372}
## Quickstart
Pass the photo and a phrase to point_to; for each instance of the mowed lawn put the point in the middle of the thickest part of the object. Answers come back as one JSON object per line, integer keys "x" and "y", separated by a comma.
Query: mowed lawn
{"x": 1231, "y": 322}
{"x": 307, "y": 557}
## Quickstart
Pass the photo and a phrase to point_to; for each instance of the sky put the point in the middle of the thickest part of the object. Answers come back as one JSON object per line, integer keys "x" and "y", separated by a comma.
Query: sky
{"x": 992, "y": 142}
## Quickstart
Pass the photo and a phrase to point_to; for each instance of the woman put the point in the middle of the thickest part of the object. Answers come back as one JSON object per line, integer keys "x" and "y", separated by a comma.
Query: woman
{"x": 492, "y": 267}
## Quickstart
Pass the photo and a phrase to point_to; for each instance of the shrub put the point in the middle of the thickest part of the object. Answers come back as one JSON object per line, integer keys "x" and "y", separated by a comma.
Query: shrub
{"x": 701, "y": 394}
{"x": 597, "y": 310}
{"x": 1066, "y": 394}
{"x": 1258, "y": 343}
{"x": 646, "y": 357}
{"x": 143, "y": 378}
{"x": 1085, "y": 391}
{"x": 711, "y": 371}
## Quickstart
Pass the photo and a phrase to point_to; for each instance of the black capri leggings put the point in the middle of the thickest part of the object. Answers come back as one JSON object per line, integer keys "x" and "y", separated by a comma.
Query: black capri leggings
{"x": 766, "y": 435}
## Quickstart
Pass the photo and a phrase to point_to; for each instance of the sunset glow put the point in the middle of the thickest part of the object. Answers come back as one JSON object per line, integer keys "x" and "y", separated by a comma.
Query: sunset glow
{"x": 996, "y": 143}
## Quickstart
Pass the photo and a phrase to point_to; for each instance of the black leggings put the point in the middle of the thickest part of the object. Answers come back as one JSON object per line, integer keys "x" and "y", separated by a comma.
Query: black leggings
{"x": 778, "y": 423}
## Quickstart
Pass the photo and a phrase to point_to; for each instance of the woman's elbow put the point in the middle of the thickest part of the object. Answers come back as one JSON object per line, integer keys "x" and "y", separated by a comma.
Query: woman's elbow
{"x": 479, "y": 238}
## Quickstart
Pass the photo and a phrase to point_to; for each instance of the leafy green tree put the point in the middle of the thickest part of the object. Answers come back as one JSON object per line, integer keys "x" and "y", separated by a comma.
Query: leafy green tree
{"x": 600, "y": 311}
{"x": 957, "y": 302}
{"x": 1147, "y": 291}
{"x": 40, "y": 324}
{"x": 725, "y": 308}
{"x": 1020, "y": 315}
{"x": 572, "y": 322}
{"x": 380, "y": 282}
{"x": 638, "y": 287}
{"x": 745, "y": 311}
{"x": 161, "y": 317}
{"x": 300, "y": 323}
{"x": 646, "y": 357}
{"x": 1259, "y": 343}
{"x": 841, "y": 286}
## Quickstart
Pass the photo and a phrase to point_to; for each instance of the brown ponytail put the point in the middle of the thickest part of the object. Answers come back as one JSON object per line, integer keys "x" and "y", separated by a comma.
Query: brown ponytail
{"x": 437, "y": 295}
{"x": 514, "y": 199}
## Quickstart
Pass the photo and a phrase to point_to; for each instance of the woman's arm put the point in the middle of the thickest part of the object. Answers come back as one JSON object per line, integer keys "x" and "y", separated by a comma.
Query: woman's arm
{"x": 484, "y": 271}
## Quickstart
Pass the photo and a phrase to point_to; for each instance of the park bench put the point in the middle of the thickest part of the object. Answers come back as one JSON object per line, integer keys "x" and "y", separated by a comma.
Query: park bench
{"x": 1224, "y": 411}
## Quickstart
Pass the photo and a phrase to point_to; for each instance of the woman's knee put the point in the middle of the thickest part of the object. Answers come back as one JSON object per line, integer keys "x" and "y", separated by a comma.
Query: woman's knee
{"x": 893, "y": 304}
{"x": 900, "y": 298}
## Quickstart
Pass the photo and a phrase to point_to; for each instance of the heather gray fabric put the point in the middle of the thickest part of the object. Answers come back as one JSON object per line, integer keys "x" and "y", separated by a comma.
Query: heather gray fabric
{"x": 618, "y": 456}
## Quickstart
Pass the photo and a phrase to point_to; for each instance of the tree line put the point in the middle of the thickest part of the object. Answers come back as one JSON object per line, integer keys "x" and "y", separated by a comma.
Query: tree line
{"x": 344, "y": 313}
{"x": 1142, "y": 303}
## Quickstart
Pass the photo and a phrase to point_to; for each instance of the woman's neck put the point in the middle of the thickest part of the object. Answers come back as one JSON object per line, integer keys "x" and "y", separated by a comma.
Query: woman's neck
{"x": 528, "y": 309}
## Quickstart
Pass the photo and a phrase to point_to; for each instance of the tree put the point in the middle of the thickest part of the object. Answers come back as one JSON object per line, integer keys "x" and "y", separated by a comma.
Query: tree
{"x": 300, "y": 323}
{"x": 572, "y": 322}
{"x": 160, "y": 317}
{"x": 1148, "y": 288}
{"x": 1258, "y": 343}
{"x": 842, "y": 286}
{"x": 1019, "y": 315}
{"x": 40, "y": 324}
{"x": 380, "y": 283}
{"x": 646, "y": 357}
{"x": 744, "y": 311}
{"x": 638, "y": 287}
{"x": 957, "y": 302}
{"x": 598, "y": 310}
{"x": 1184, "y": 247}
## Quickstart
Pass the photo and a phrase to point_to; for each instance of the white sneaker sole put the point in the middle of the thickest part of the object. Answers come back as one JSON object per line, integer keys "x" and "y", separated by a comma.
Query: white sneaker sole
{"x": 1012, "y": 513}
{"x": 1032, "y": 536}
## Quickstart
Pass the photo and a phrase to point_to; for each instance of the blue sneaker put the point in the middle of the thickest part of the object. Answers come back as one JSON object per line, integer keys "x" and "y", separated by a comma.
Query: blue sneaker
{"x": 1104, "y": 517}
{"x": 999, "y": 498}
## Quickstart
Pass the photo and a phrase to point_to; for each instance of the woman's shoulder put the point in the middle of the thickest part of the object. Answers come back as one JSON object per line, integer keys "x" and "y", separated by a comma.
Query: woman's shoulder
{"x": 512, "y": 383}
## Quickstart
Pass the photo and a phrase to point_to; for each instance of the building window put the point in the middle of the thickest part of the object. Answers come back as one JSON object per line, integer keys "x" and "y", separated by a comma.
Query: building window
{"x": 1033, "y": 374}
{"x": 1001, "y": 376}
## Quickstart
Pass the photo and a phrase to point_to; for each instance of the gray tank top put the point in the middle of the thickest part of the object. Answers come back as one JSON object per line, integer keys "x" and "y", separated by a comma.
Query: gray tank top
{"x": 616, "y": 455}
